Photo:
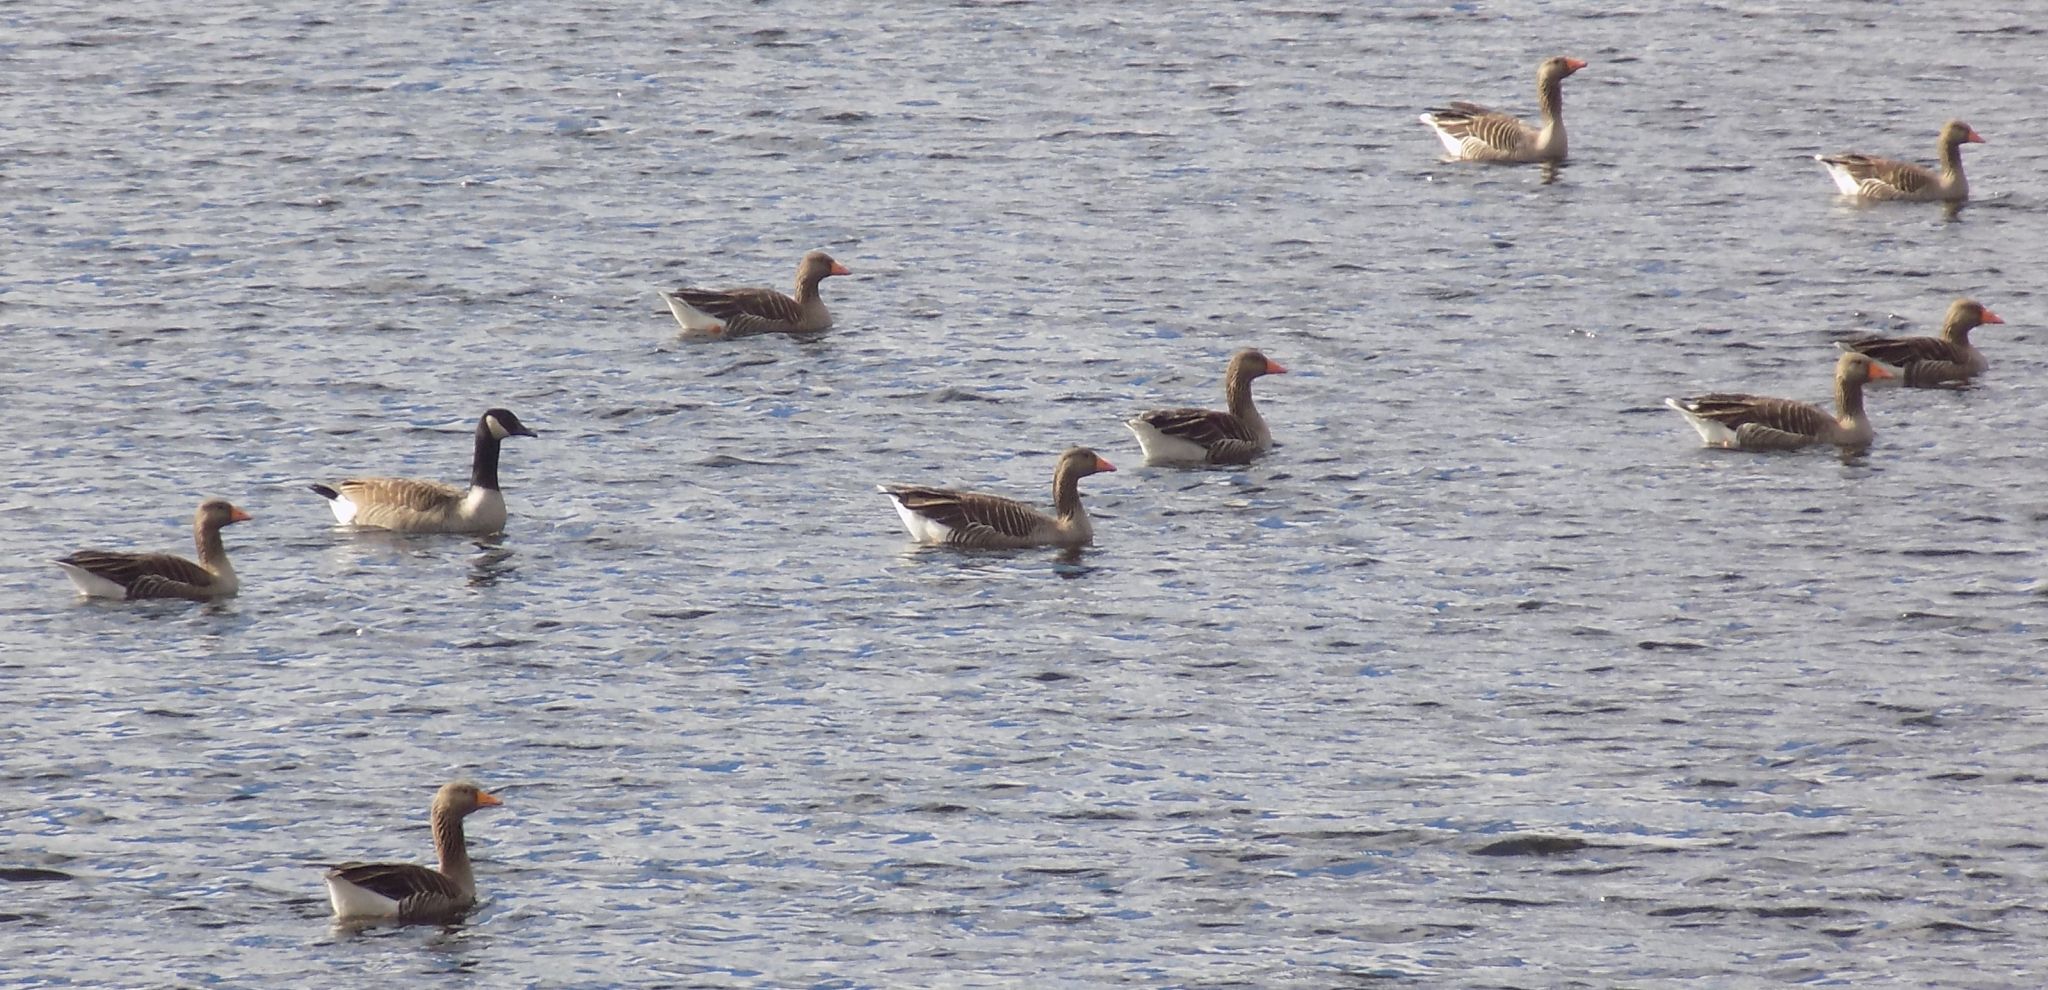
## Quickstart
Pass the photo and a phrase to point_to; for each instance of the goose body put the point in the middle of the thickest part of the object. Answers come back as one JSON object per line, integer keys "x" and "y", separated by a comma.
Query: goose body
{"x": 972, "y": 520}
{"x": 1925, "y": 361}
{"x": 1474, "y": 133}
{"x": 1869, "y": 177}
{"x": 408, "y": 893}
{"x": 732, "y": 313}
{"x": 1208, "y": 436}
{"x": 1739, "y": 421}
{"x": 122, "y": 576}
{"x": 409, "y": 505}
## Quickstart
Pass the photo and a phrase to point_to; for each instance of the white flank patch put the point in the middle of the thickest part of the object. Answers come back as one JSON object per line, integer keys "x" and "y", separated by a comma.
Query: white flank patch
{"x": 1844, "y": 182}
{"x": 90, "y": 584}
{"x": 351, "y": 901}
{"x": 1163, "y": 449}
{"x": 920, "y": 528}
{"x": 1713, "y": 432}
{"x": 344, "y": 510}
{"x": 1452, "y": 145}
{"x": 691, "y": 318}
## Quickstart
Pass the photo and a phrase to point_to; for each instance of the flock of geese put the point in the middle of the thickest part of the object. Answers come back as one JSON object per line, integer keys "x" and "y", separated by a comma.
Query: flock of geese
{"x": 1181, "y": 436}
{"x": 1740, "y": 421}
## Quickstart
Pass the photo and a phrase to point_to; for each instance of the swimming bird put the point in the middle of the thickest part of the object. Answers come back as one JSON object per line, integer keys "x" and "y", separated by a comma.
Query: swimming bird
{"x": 727, "y": 314}
{"x": 1474, "y": 133}
{"x": 1933, "y": 360}
{"x": 1206, "y": 436}
{"x": 411, "y": 506}
{"x": 407, "y": 893}
{"x": 118, "y": 575}
{"x": 1753, "y": 422}
{"x": 1873, "y": 178}
{"x": 976, "y": 521}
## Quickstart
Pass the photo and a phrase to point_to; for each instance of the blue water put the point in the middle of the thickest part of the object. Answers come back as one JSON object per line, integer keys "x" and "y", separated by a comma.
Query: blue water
{"x": 1488, "y": 676}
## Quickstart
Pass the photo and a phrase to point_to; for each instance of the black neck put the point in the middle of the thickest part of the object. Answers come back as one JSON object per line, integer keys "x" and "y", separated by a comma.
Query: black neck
{"x": 483, "y": 469}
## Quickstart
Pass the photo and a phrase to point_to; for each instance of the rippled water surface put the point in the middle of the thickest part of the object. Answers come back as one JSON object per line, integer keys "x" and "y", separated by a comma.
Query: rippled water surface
{"x": 1488, "y": 676}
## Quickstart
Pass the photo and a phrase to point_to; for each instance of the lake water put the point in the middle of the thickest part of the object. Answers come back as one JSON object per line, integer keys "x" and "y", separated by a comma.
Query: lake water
{"x": 1488, "y": 676}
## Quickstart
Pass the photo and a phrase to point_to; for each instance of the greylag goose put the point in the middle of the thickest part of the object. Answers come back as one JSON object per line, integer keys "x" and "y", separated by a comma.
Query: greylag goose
{"x": 1474, "y": 133}
{"x": 407, "y": 893}
{"x": 732, "y": 313}
{"x": 1873, "y": 178}
{"x": 410, "y": 506}
{"x": 990, "y": 522}
{"x": 1933, "y": 360}
{"x": 1755, "y": 422}
{"x": 1205, "y": 436}
{"x": 113, "y": 574}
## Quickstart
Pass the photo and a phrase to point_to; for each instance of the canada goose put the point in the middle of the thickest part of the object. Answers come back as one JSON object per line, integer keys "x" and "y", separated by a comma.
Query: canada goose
{"x": 411, "y": 506}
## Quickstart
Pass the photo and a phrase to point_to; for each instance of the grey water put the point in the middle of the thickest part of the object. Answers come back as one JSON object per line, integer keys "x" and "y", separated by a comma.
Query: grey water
{"x": 1488, "y": 676}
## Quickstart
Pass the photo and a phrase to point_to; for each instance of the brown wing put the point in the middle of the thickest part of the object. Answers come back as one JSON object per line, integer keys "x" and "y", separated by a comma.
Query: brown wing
{"x": 1203, "y": 426}
{"x": 1882, "y": 177}
{"x": 402, "y": 493}
{"x": 421, "y": 894}
{"x": 1736, "y": 411}
{"x": 1472, "y": 122}
{"x": 146, "y": 575}
{"x": 398, "y": 881}
{"x": 1903, "y": 351}
{"x": 971, "y": 514}
{"x": 1922, "y": 360}
{"x": 744, "y": 310}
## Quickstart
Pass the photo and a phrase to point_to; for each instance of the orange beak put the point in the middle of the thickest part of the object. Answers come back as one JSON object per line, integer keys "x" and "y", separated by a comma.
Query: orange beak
{"x": 1975, "y": 138}
{"x": 1878, "y": 374}
{"x": 1575, "y": 64}
{"x": 839, "y": 269}
{"x": 485, "y": 799}
{"x": 237, "y": 515}
{"x": 1991, "y": 317}
{"x": 1103, "y": 465}
{"x": 1275, "y": 368}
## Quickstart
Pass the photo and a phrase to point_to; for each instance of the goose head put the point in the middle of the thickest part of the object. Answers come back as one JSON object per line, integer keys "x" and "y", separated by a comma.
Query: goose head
{"x": 1557, "y": 67}
{"x": 1249, "y": 363}
{"x": 458, "y": 798}
{"x": 1956, "y": 132}
{"x": 500, "y": 423}
{"x": 816, "y": 266}
{"x": 1964, "y": 314}
{"x": 217, "y": 512}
